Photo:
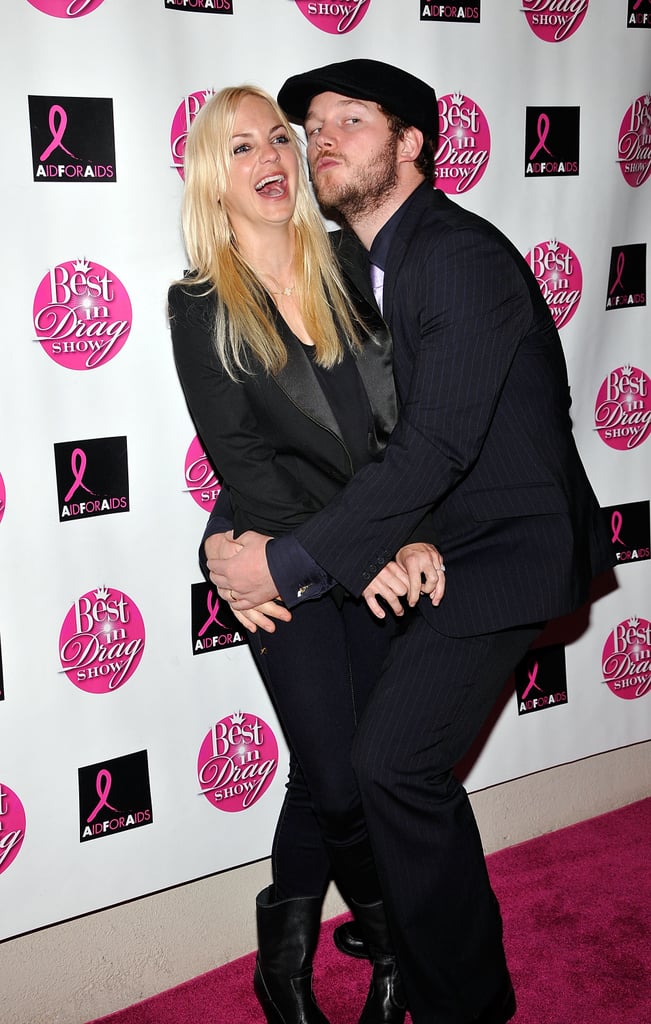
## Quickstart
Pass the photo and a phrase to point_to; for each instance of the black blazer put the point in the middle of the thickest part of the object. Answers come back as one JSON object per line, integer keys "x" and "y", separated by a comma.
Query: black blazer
{"x": 274, "y": 439}
{"x": 484, "y": 439}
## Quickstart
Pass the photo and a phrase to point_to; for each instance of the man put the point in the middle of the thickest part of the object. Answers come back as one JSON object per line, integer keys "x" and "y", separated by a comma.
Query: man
{"x": 484, "y": 443}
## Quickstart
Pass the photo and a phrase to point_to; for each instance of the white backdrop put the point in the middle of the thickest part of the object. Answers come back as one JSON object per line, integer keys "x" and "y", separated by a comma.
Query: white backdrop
{"x": 99, "y": 788}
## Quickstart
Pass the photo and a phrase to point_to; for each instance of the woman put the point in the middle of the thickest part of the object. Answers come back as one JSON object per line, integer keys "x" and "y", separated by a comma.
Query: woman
{"x": 290, "y": 388}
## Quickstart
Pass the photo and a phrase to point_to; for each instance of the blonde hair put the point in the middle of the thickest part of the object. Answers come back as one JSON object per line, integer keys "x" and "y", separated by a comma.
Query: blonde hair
{"x": 244, "y": 322}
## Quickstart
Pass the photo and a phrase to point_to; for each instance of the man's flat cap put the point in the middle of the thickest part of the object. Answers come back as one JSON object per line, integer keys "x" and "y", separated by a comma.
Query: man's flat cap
{"x": 395, "y": 90}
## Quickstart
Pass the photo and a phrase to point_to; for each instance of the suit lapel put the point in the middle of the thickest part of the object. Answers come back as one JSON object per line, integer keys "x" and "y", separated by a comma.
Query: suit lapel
{"x": 298, "y": 381}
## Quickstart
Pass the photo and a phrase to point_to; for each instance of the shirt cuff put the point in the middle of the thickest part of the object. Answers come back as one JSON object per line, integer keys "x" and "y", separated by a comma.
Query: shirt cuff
{"x": 297, "y": 576}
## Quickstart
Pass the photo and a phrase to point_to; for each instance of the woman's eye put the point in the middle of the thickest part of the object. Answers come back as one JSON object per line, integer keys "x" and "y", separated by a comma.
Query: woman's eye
{"x": 241, "y": 149}
{"x": 282, "y": 139}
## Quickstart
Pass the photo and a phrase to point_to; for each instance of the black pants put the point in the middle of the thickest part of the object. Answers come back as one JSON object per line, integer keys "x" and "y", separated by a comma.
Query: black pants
{"x": 319, "y": 670}
{"x": 428, "y": 706}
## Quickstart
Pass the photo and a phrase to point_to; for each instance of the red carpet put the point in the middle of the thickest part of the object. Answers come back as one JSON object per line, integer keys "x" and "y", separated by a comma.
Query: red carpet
{"x": 577, "y": 917}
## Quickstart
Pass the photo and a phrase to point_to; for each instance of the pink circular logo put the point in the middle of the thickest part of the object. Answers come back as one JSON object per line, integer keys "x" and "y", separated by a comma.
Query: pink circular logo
{"x": 82, "y": 314}
{"x": 622, "y": 413}
{"x": 237, "y": 762}
{"x": 560, "y": 277}
{"x": 3, "y": 497}
{"x": 626, "y": 659}
{"x": 464, "y": 144}
{"x": 634, "y": 143}
{"x": 12, "y": 826}
{"x": 554, "y": 20}
{"x": 334, "y": 17}
{"x": 66, "y": 8}
{"x": 200, "y": 478}
{"x": 183, "y": 118}
{"x": 101, "y": 641}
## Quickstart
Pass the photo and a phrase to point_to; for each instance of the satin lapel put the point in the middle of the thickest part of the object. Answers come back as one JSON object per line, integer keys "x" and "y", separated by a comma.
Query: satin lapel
{"x": 353, "y": 259}
{"x": 298, "y": 381}
{"x": 375, "y": 365}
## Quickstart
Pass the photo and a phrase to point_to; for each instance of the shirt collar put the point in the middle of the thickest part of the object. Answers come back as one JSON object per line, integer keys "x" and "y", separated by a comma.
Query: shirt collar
{"x": 379, "y": 251}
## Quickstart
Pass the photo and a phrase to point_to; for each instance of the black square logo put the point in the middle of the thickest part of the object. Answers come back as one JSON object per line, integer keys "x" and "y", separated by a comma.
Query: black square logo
{"x": 639, "y": 14}
{"x": 460, "y": 14}
{"x": 114, "y": 796}
{"x": 73, "y": 139}
{"x": 630, "y": 530}
{"x": 551, "y": 142}
{"x": 200, "y": 6}
{"x": 541, "y": 679}
{"x": 92, "y": 477}
{"x": 214, "y": 627}
{"x": 627, "y": 276}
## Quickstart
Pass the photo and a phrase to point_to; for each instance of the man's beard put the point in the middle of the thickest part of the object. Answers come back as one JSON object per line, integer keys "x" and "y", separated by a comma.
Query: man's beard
{"x": 354, "y": 200}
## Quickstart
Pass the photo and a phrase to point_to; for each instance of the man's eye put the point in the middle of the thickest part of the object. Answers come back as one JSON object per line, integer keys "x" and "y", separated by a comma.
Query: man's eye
{"x": 312, "y": 131}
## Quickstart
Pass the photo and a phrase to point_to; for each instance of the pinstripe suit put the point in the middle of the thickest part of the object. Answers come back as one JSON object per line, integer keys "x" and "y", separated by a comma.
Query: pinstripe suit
{"x": 484, "y": 442}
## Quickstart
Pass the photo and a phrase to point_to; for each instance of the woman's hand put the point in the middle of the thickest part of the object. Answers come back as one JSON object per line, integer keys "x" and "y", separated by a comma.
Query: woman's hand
{"x": 423, "y": 565}
{"x": 417, "y": 569}
{"x": 263, "y": 616}
{"x": 391, "y": 583}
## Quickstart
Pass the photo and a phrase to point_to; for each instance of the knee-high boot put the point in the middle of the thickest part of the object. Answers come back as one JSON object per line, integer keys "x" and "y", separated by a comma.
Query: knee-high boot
{"x": 356, "y": 877}
{"x": 385, "y": 1002}
{"x": 288, "y": 932}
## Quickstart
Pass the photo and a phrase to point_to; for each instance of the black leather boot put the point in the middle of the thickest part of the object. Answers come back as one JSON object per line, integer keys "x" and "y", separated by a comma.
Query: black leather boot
{"x": 288, "y": 933}
{"x": 347, "y": 938}
{"x": 385, "y": 1003}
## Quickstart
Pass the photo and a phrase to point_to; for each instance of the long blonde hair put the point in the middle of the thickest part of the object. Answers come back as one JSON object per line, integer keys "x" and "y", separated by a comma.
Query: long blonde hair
{"x": 244, "y": 322}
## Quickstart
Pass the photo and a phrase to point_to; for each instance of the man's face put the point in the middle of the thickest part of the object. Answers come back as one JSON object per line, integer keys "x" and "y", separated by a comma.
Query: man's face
{"x": 351, "y": 153}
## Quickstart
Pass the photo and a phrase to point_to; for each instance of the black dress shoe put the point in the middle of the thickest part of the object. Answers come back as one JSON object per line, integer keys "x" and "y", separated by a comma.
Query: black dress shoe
{"x": 347, "y": 938}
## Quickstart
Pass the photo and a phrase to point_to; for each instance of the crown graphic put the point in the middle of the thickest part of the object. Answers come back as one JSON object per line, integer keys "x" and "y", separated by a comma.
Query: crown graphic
{"x": 81, "y": 265}
{"x": 634, "y": 622}
{"x": 552, "y": 245}
{"x": 102, "y": 593}
{"x": 627, "y": 370}
{"x": 457, "y": 98}
{"x": 207, "y": 93}
{"x": 237, "y": 718}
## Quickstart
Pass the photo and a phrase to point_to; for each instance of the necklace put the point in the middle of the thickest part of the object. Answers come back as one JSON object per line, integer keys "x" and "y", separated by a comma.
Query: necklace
{"x": 284, "y": 291}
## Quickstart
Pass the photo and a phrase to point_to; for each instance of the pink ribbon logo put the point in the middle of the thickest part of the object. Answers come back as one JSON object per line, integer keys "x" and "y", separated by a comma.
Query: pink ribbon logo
{"x": 212, "y": 609}
{"x": 103, "y": 787}
{"x": 621, "y": 260}
{"x": 543, "y": 131}
{"x": 58, "y": 131}
{"x": 616, "y": 521}
{"x": 532, "y": 682}
{"x": 78, "y": 466}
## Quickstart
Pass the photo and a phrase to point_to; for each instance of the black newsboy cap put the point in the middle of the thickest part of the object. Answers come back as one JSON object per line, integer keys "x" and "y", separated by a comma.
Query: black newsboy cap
{"x": 395, "y": 90}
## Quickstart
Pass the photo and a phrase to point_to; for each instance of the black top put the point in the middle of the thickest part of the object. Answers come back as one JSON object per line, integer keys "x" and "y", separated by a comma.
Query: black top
{"x": 346, "y": 396}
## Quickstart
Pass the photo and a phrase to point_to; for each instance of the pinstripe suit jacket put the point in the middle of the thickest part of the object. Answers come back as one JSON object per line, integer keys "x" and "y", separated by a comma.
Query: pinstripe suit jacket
{"x": 484, "y": 438}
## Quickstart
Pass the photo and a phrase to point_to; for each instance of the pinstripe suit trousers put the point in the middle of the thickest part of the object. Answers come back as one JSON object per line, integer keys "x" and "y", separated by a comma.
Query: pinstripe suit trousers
{"x": 434, "y": 694}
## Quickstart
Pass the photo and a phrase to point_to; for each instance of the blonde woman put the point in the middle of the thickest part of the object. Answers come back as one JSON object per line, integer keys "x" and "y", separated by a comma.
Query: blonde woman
{"x": 289, "y": 382}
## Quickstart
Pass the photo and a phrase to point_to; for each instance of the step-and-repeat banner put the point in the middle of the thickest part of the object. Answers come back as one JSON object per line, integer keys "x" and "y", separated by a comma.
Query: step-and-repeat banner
{"x": 138, "y": 749}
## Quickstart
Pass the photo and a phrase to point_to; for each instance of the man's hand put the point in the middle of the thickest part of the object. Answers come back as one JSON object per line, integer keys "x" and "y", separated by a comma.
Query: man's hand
{"x": 220, "y": 545}
{"x": 424, "y": 567}
{"x": 243, "y": 578}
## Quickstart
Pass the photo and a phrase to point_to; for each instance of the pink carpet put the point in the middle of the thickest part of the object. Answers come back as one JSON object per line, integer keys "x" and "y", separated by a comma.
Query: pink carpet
{"x": 577, "y": 917}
